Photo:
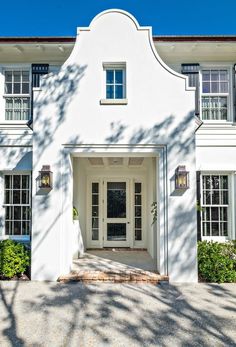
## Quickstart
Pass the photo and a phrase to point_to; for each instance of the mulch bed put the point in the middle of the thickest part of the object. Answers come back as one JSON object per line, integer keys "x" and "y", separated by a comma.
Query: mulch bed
{"x": 15, "y": 278}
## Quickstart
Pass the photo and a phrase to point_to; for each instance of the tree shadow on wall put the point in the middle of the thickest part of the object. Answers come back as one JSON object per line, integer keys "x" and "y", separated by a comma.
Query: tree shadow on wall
{"x": 176, "y": 137}
{"x": 57, "y": 90}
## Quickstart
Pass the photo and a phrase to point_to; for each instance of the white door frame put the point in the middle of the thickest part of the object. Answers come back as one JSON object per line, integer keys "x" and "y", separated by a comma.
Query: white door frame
{"x": 130, "y": 180}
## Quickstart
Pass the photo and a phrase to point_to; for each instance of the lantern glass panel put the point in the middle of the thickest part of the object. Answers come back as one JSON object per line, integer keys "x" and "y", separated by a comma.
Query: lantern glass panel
{"x": 45, "y": 180}
{"x": 181, "y": 179}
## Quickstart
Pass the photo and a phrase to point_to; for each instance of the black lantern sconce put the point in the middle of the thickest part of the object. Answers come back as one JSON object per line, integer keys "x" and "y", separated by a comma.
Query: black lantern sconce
{"x": 45, "y": 177}
{"x": 181, "y": 178}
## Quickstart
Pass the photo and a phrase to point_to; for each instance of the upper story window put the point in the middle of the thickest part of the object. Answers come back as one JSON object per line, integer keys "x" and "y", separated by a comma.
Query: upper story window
{"x": 17, "y": 94}
{"x": 114, "y": 89}
{"x": 115, "y": 86}
{"x": 215, "y": 94}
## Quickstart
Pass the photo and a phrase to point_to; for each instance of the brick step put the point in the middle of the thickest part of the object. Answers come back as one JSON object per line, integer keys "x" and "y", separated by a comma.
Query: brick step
{"x": 113, "y": 276}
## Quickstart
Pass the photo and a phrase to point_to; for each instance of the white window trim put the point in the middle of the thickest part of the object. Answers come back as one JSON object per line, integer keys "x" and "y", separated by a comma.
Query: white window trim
{"x": 16, "y": 237}
{"x": 114, "y": 66}
{"x": 231, "y": 207}
{"x": 7, "y": 67}
{"x": 230, "y": 112}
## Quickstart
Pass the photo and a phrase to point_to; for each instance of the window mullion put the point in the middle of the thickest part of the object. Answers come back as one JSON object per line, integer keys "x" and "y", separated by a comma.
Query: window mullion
{"x": 21, "y": 221}
{"x": 114, "y": 87}
{"x": 210, "y": 221}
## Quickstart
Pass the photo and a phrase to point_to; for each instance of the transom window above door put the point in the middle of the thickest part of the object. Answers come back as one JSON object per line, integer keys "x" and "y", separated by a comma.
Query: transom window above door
{"x": 215, "y": 94}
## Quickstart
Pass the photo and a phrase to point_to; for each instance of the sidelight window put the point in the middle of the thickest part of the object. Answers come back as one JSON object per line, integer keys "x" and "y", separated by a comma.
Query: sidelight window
{"x": 138, "y": 211}
{"x": 95, "y": 211}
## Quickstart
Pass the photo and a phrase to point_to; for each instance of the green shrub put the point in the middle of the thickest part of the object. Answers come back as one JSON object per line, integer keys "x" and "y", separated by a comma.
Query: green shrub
{"x": 14, "y": 258}
{"x": 217, "y": 261}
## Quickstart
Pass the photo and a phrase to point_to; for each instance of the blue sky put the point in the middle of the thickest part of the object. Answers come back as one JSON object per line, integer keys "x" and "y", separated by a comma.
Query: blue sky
{"x": 51, "y": 17}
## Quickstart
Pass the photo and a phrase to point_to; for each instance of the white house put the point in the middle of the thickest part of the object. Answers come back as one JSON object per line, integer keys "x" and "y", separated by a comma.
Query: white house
{"x": 115, "y": 115}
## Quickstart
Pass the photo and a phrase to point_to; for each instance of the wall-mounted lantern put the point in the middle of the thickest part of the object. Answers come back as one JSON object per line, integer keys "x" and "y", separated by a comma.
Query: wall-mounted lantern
{"x": 45, "y": 177}
{"x": 181, "y": 178}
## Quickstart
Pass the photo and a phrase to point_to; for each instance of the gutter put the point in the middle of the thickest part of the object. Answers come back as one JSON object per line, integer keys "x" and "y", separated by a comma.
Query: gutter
{"x": 156, "y": 38}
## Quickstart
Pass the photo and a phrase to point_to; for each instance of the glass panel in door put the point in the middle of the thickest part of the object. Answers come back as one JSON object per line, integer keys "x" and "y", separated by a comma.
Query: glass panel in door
{"x": 116, "y": 231}
{"x": 116, "y": 199}
{"x": 116, "y": 213}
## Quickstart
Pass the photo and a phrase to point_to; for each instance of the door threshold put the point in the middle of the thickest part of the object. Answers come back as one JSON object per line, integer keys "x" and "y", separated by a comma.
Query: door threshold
{"x": 117, "y": 249}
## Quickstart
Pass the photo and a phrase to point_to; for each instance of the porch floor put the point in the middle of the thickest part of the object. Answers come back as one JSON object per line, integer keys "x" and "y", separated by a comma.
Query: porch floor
{"x": 114, "y": 266}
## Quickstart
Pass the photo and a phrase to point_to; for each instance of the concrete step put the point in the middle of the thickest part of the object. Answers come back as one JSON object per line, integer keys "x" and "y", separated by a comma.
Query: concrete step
{"x": 113, "y": 276}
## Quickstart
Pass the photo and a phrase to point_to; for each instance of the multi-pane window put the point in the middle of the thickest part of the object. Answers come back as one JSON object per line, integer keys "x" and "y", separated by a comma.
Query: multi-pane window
{"x": 215, "y": 94}
{"x": 215, "y": 205}
{"x": 115, "y": 83}
{"x": 17, "y": 202}
{"x": 95, "y": 211}
{"x": 17, "y": 94}
{"x": 138, "y": 211}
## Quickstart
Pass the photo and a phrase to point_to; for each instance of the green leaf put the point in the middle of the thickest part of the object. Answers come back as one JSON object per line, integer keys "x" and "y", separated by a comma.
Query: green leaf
{"x": 14, "y": 258}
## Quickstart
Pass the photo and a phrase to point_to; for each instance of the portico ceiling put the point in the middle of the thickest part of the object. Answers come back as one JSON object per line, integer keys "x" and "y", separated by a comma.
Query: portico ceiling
{"x": 115, "y": 161}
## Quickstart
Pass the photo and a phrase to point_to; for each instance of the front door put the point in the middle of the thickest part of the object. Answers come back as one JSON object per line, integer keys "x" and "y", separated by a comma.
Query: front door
{"x": 116, "y": 213}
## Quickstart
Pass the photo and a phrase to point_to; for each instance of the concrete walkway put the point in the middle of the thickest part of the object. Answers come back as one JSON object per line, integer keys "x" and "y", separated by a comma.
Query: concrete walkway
{"x": 53, "y": 314}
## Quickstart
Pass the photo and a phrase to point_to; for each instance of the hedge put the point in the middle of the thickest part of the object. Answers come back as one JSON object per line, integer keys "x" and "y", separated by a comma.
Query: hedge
{"x": 14, "y": 259}
{"x": 217, "y": 261}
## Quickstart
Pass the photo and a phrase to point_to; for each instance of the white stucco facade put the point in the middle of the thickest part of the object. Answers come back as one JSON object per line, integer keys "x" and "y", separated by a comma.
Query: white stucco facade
{"x": 87, "y": 138}
{"x": 80, "y": 125}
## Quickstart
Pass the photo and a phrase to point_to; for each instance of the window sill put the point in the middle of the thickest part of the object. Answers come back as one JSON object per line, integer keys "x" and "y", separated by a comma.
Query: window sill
{"x": 113, "y": 101}
{"x": 37, "y": 89}
{"x": 217, "y": 122}
{"x": 21, "y": 238}
{"x": 221, "y": 239}
{"x": 16, "y": 95}
{"x": 14, "y": 122}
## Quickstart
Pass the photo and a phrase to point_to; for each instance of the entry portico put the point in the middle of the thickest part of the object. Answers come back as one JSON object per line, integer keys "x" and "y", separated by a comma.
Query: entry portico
{"x": 113, "y": 190}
